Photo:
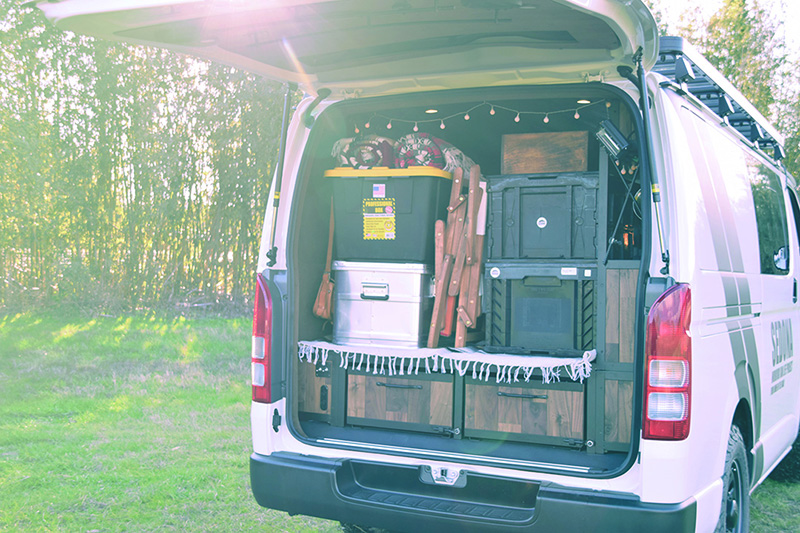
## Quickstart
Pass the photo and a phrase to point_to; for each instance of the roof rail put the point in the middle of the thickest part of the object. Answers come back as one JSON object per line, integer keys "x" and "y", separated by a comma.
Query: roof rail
{"x": 714, "y": 90}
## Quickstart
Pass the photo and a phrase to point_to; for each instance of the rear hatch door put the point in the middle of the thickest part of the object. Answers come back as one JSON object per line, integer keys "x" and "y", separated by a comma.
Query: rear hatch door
{"x": 384, "y": 46}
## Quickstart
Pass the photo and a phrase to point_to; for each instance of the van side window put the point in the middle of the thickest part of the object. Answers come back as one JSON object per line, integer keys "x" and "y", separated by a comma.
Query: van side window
{"x": 773, "y": 234}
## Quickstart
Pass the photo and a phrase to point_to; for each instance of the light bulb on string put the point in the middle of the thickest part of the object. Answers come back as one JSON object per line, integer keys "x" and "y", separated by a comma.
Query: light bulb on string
{"x": 516, "y": 119}
{"x": 546, "y": 118}
{"x": 389, "y": 125}
{"x": 357, "y": 130}
{"x": 416, "y": 128}
{"x": 577, "y": 115}
{"x": 441, "y": 126}
{"x": 466, "y": 116}
{"x": 491, "y": 111}
{"x": 366, "y": 125}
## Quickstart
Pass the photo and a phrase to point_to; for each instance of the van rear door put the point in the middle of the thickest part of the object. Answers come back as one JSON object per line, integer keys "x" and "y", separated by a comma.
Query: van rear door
{"x": 385, "y": 46}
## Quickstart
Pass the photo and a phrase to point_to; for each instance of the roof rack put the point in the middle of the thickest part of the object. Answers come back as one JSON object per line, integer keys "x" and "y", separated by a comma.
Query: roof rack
{"x": 680, "y": 61}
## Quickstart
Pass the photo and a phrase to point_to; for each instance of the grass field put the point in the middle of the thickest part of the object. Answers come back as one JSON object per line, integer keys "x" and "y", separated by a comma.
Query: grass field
{"x": 142, "y": 424}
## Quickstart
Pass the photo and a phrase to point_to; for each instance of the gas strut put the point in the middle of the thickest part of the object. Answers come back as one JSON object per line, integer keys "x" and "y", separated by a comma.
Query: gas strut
{"x": 272, "y": 253}
{"x": 640, "y": 82}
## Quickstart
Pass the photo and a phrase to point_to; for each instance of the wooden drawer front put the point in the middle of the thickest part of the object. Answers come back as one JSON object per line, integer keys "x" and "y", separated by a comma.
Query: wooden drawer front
{"x": 389, "y": 401}
{"x": 543, "y": 413}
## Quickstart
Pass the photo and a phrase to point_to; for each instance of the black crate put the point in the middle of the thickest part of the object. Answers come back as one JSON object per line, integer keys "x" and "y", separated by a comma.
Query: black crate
{"x": 388, "y": 215}
{"x": 542, "y": 216}
{"x": 540, "y": 309}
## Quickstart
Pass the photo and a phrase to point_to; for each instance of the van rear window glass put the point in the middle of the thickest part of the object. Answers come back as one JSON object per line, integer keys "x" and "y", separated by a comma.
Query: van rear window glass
{"x": 773, "y": 233}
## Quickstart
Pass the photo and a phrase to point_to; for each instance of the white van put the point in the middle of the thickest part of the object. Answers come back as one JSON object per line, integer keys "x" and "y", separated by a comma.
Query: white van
{"x": 598, "y": 336}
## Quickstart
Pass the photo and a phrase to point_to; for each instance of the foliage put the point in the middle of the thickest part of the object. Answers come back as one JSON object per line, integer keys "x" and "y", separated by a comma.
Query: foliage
{"x": 130, "y": 176}
{"x": 745, "y": 41}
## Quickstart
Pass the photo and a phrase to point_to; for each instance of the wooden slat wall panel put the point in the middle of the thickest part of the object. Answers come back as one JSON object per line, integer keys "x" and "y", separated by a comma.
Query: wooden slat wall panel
{"x": 612, "y": 316}
{"x": 309, "y": 386}
{"x": 356, "y": 396}
{"x": 627, "y": 317}
{"x": 618, "y": 410}
{"x": 620, "y": 314}
{"x": 481, "y": 408}
{"x": 565, "y": 414}
{"x": 441, "y": 403}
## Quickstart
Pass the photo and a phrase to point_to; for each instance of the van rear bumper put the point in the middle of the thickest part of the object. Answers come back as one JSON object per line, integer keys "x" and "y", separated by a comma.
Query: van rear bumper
{"x": 391, "y": 497}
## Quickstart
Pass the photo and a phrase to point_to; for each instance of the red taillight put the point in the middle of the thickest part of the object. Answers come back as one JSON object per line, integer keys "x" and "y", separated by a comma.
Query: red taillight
{"x": 262, "y": 333}
{"x": 668, "y": 351}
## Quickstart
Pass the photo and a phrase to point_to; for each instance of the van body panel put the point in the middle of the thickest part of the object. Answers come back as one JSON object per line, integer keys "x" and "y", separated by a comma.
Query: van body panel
{"x": 385, "y": 47}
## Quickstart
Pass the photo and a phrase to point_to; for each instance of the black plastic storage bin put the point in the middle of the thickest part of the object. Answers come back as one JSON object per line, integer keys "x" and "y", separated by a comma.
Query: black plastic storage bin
{"x": 540, "y": 308}
{"x": 542, "y": 216}
{"x": 388, "y": 215}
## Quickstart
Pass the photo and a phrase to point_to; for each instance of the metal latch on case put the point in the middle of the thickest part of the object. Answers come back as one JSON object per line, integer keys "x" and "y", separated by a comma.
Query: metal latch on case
{"x": 374, "y": 291}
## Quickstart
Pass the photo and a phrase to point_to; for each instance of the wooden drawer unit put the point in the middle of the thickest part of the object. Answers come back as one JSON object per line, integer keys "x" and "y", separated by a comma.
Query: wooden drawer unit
{"x": 530, "y": 412}
{"x": 416, "y": 403}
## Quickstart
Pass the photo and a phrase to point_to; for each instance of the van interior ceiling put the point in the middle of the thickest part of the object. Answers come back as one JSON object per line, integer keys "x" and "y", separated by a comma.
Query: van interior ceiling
{"x": 561, "y": 128}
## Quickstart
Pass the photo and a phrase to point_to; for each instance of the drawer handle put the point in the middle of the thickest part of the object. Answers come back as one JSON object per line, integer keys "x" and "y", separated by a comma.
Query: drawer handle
{"x": 397, "y": 386}
{"x": 525, "y": 396}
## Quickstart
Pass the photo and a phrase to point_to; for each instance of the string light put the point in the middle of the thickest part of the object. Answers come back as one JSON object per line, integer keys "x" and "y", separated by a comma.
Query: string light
{"x": 357, "y": 130}
{"x": 493, "y": 109}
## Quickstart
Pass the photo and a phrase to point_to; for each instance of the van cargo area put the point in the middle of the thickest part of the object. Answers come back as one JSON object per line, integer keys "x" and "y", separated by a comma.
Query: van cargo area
{"x": 536, "y": 365}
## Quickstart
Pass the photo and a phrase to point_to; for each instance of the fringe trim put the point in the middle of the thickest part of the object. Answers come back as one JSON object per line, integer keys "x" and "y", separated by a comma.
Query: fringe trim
{"x": 577, "y": 368}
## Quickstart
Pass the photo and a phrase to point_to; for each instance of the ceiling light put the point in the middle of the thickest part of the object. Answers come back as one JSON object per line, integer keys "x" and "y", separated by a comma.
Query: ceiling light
{"x": 431, "y": 111}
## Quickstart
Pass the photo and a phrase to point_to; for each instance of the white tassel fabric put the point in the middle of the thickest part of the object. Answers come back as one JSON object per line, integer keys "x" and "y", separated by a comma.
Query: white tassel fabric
{"x": 444, "y": 360}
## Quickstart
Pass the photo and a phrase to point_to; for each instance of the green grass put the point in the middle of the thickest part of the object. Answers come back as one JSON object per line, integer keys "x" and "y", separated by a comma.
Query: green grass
{"x": 128, "y": 424}
{"x": 142, "y": 424}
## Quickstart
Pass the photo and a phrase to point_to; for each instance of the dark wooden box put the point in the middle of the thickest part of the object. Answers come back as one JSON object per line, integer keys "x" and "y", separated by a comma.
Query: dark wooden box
{"x": 529, "y": 153}
{"x": 531, "y": 412}
{"x": 418, "y": 403}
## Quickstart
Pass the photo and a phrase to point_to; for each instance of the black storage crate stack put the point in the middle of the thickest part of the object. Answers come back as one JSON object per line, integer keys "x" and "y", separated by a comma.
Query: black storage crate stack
{"x": 541, "y": 269}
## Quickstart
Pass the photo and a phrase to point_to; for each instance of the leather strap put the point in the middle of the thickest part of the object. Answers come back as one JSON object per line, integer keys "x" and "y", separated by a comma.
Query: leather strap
{"x": 330, "y": 243}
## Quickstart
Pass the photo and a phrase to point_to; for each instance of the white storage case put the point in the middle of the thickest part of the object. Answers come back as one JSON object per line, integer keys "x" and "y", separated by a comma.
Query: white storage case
{"x": 382, "y": 304}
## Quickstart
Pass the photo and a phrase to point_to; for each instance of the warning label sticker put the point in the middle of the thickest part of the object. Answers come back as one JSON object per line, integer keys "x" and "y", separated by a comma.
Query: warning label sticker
{"x": 379, "y": 219}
